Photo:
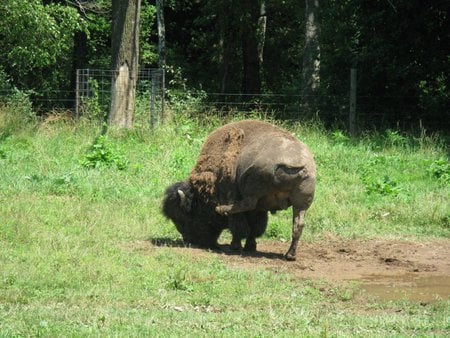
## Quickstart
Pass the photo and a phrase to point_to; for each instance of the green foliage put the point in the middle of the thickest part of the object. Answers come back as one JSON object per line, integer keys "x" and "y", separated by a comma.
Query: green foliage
{"x": 16, "y": 113}
{"x": 92, "y": 107}
{"x": 35, "y": 37}
{"x": 43, "y": 41}
{"x": 179, "y": 279}
{"x": 276, "y": 230}
{"x": 440, "y": 169}
{"x": 182, "y": 100}
{"x": 373, "y": 180}
{"x": 384, "y": 186}
{"x": 18, "y": 102}
{"x": 98, "y": 31}
{"x": 338, "y": 136}
{"x": 147, "y": 50}
{"x": 394, "y": 138}
{"x": 103, "y": 154}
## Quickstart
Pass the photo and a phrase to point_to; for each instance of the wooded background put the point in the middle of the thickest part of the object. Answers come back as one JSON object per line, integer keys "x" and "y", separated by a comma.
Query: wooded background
{"x": 400, "y": 48}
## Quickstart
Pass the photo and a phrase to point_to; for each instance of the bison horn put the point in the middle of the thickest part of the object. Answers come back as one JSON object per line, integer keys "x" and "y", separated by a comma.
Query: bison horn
{"x": 182, "y": 198}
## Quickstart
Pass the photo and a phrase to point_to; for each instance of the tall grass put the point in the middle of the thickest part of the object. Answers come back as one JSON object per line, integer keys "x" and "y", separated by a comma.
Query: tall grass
{"x": 75, "y": 256}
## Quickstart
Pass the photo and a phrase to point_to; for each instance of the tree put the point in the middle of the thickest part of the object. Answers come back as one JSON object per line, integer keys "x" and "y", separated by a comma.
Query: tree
{"x": 36, "y": 42}
{"x": 125, "y": 56}
{"x": 161, "y": 46}
{"x": 251, "y": 82}
{"x": 311, "y": 55}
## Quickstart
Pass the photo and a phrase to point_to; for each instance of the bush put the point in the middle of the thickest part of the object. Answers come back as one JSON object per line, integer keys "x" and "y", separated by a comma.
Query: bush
{"x": 102, "y": 154}
{"x": 375, "y": 184}
{"x": 440, "y": 169}
{"x": 16, "y": 110}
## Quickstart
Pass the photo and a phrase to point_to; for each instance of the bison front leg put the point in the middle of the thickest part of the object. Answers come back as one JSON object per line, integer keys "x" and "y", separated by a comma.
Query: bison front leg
{"x": 257, "y": 222}
{"x": 239, "y": 229}
{"x": 298, "y": 222}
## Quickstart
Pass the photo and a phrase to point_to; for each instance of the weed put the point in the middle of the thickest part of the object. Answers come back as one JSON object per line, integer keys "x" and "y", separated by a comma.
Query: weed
{"x": 92, "y": 107}
{"x": 182, "y": 100}
{"x": 101, "y": 154}
{"x": 440, "y": 169}
{"x": 383, "y": 186}
{"x": 20, "y": 103}
{"x": 374, "y": 184}
{"x": 178, "y": 280}
{"x": 339, "y": 137}
{"x": 394, "y": 138}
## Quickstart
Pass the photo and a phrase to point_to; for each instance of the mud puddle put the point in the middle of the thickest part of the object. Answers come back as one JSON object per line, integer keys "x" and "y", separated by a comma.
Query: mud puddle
{"x": 423, "y": 289}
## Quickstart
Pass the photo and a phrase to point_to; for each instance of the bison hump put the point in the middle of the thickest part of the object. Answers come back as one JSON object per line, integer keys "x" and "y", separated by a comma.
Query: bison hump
{"x": 217, "y": 160}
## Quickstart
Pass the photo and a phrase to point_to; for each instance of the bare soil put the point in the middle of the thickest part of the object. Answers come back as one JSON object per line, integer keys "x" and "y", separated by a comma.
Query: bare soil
{"x": 388, "y": 269}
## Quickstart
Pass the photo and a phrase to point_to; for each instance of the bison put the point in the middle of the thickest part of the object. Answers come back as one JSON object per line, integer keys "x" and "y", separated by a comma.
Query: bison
{"x": 245, "y": 170}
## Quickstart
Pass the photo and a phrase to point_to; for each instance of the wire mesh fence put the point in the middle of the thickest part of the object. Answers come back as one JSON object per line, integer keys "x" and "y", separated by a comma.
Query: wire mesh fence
{"x": 93, "y": 94}
{"x": 91, "y": 97}
{"x": 371, "y": 111}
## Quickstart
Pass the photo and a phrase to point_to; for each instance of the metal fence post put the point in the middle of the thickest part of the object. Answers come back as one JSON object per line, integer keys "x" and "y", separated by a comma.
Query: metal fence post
{"x": 77, "y": 94}
{"x": 352, "y": 114}
{"x": 152, "y": 101}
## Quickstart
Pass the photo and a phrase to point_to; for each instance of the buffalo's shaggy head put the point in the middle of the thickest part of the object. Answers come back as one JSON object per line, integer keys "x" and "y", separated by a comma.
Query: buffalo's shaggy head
{"x": 194, "y": 219}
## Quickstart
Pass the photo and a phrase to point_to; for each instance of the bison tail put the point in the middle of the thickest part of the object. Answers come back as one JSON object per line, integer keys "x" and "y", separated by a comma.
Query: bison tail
{"x": 285, "y": 173}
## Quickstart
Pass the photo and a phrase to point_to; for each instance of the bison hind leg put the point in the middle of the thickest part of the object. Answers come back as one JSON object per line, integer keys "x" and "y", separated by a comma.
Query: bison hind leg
{"x": 297, "y": 229}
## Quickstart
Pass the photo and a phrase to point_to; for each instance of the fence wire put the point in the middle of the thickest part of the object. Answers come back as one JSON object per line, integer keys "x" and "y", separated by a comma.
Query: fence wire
{"x": 93, "y": 94}
{"x": 92, "y": 97}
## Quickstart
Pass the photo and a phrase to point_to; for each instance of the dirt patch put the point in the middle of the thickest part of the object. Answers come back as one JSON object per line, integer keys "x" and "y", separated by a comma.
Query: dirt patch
{"x": 388, "y": 269}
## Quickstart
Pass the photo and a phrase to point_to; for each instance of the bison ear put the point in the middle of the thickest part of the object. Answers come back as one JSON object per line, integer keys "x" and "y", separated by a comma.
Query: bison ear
{"x": 184, "y": 202}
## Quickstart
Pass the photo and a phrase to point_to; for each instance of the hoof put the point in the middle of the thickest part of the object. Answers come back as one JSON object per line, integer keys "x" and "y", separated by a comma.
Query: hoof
{"x": 236, "y": 246}
{"x": 290, "y": 257}
{"x": 215, "y": 247}
{"x": 250, "y": 247}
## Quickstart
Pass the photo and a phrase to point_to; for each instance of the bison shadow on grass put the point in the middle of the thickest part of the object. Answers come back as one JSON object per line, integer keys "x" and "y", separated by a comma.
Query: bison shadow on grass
{"x": 222, "y": 249}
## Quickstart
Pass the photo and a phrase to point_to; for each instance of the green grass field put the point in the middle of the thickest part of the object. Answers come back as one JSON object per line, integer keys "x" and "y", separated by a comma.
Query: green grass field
{"x": 73, "y": 205}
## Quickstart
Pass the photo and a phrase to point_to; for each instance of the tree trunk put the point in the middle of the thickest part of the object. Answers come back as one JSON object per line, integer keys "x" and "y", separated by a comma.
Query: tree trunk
{"x": 79, "y": 57}
{"x": 125, "y": 53}
{"x": 311, "y": 55}
{"x": 161, "y": 49}
{"x": 251, "y": 83}
{"x": 229, "y": 35}
{"x": 262, "y": 25}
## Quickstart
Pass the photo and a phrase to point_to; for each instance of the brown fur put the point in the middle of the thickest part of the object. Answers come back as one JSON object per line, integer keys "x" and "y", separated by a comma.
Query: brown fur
{"x": 249, "y": 167}
{"x": 217, "y": 160}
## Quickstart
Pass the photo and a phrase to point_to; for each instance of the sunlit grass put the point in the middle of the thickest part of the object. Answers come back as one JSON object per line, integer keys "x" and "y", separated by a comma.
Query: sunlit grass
{"x": 76, "y": 258}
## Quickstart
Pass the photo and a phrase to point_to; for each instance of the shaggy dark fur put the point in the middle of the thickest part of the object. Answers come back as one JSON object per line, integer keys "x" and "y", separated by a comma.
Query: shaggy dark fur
{"x": 200, "y": 225}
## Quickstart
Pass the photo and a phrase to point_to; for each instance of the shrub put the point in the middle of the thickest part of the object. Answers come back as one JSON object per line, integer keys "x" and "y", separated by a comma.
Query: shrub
{"x": 339, "y": 137}
{"x": 102, "y": 154}
{"x": 383, "y": 186}
{"x": 375, "y": 184}
{"x": 440, "y": 169}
